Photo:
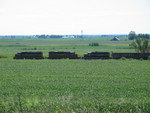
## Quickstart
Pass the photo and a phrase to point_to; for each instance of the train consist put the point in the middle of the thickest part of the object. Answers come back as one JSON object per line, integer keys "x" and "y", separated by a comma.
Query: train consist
{"x": 73, "y": 55}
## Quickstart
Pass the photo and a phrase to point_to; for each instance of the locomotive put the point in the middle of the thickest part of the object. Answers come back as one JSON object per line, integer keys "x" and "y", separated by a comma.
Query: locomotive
{"x": 62, "y": 55}
{"x": 97, "y": 55}
{"x": 73, "y": 55}
{"x": 29, "y": 55}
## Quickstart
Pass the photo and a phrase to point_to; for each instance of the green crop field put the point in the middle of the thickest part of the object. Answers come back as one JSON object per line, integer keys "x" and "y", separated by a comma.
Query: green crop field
{"x": 9, "y": 47}
{"x": 72, "y": 86}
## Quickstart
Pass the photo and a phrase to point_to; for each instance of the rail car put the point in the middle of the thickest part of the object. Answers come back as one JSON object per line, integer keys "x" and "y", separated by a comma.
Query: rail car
{"x": 29, "y": 55}
{"x": 131, "y": 55}
{"x": 97, "y": 55}
{"x": 62, "y": 55}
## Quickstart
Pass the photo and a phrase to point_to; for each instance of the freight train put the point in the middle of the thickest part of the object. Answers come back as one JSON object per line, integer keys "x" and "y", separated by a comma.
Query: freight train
{"x": 73, "y": 55}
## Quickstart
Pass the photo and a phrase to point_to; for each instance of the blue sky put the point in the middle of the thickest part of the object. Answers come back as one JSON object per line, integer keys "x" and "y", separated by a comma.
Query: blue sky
{"x": 27, "y": 17}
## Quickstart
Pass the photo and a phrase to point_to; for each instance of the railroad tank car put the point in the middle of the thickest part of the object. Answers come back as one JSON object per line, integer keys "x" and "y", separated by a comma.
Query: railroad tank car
{"x": 62, "y": 55}
{"x": 131, "y": 55}
{"x": 97, "y": 55}
{"x": 29, "y": 55}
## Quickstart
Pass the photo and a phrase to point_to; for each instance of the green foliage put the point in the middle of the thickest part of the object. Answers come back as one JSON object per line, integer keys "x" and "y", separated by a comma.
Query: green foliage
{"x": 141, "y": 45}
{"x": 148, "y": 57}
{"x": 132, "y": 35}
{"x": 94, "y": 44}
{"x": 123, "y": 58}
{"x": 74, "y": 86}
{"x": 145, "y": 36}
{"x": 2, "y": 56}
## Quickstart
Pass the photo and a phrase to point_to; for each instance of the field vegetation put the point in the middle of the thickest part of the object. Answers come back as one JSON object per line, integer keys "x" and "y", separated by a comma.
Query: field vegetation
{"x": 9, "y": 47}
{"x": 72, "y": 86}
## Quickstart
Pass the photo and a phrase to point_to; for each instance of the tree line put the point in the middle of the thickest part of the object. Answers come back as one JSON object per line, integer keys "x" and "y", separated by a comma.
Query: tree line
{"x": 49, "y": 36}
{"x": 132, "y": 35}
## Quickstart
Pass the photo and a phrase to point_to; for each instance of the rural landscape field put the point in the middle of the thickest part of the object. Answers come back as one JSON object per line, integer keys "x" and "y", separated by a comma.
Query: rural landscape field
{"x": 72, "y": 86}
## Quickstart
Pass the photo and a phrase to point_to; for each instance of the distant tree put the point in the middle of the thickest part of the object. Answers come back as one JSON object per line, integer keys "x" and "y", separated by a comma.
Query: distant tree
{"x": 141, "y": 45}
{"x": 55, "y": 36}
{"x": 145, "y": 36}
{"x": 131, "y": 35}
{"x": 94, "y": 44}
{"x": 42, "y": 36}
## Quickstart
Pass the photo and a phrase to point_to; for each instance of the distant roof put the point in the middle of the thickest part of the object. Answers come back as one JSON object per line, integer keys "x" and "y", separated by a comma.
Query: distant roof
{"x": 115, "y": 39}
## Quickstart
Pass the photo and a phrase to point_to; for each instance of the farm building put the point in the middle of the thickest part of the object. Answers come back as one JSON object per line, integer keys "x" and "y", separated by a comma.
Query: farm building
{"x": 115, "y": 39}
